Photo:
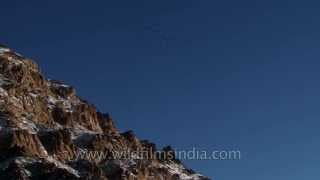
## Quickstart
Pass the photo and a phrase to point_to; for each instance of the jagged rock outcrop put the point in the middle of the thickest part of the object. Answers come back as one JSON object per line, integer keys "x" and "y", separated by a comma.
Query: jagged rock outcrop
{"x": 20, "y": 143}
{"x": 48, "y": 132}
{"x": 58, "y": 143}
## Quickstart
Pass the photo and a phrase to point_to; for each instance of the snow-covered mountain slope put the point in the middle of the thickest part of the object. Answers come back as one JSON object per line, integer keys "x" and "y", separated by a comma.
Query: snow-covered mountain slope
{"x": 48, "y": 132}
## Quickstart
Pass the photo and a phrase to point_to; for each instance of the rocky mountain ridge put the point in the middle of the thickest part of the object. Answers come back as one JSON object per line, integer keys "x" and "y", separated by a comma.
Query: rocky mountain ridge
{"x": 48, "y": 132}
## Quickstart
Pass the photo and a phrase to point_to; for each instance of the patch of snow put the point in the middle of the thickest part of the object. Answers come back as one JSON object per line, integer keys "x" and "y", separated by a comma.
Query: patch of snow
{"x": 34, "y": 95}
{"x": 66, "y": 104}
{"x": 28, "y": 125}
{"x": 179, "y": 170}
{"x": 43, "y": 128}
{"x": 32, "y": 128}
{"x": 57, "y": 126}
{"x": 17, "y": 54}
{"x": 4, "y": 50}
{"x": 14, "y": 61}
{"x": 126, "y": 164}
{"x": 3, "y": 92}
{"x": 80, "y": 133}
{"x": 4, "y": 80}
{"x": 60, "y": 165}
{"x": 27, "y": 172}
{"x": 18, "y": 160}
{"x": 57, "y": 84}
{"x": 64, "y": 85}
{"x": 52, "y": 102}
{"x": 25, "y": 160}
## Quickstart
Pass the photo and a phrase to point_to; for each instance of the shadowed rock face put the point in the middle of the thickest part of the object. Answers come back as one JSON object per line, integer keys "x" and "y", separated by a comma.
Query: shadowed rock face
{"x": 21, "y": 143}
{"x": 48, "y": 132}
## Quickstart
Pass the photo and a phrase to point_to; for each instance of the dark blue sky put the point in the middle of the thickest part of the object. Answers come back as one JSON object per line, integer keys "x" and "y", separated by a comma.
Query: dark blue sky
{"x": 212, "y": 74}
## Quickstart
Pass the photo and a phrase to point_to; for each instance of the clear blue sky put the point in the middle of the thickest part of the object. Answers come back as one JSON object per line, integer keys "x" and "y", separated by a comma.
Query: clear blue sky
{"x": 212, "y": 74}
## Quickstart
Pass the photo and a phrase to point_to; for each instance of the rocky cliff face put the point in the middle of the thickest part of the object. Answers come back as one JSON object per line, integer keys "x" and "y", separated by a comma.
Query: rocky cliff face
{"x": 48, "y": 132}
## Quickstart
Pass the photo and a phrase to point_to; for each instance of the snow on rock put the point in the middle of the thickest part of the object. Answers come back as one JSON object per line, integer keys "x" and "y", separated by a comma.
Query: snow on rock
{"x": 178, "y": 169}
{"x": 58, "y": 84}
{"x": 13, "y": 58}
{"x": 28, "y": 125}
{"x": 52, "y": 101}
{"x": 4, "y": 50}
{"x": 23, "y": 161}
{"x": 60, "y": 165}
{"x": 79, "y": 132}
{"x": 14, "y": 61}
{"x": 3, "y": 92}
{"x": 36, "y": 109}
{"x": 124, "y": 164}
{"x": 4, "y": 81}
{"x": 65, "y": 103}
{"x": 34, "y": 95}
